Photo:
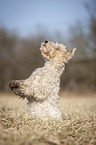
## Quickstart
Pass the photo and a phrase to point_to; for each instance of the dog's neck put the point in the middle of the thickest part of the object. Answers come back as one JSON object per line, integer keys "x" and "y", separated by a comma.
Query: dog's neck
{"x": 53, "y": 65}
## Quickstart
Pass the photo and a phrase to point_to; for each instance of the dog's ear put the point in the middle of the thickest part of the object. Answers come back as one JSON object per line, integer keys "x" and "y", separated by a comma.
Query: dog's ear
{"x": 69, "y": 54}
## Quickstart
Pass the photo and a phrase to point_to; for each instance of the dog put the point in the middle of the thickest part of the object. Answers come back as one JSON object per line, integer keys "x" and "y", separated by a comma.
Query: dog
{"x": 42, "y": 87}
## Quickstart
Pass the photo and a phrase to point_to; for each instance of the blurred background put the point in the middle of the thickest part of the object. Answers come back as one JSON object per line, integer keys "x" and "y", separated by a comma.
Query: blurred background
{"x": 25, "y": 24}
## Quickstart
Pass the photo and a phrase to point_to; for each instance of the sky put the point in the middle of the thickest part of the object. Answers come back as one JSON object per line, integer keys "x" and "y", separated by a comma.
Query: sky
{"x": 28, "y": 17}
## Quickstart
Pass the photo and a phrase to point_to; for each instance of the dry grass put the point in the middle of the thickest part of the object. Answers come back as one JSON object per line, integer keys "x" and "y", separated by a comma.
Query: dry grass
{"x": 79, "y": 126}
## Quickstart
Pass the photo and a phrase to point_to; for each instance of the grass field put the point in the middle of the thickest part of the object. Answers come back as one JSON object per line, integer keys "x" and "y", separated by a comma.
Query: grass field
{"x": 78, "y": 128}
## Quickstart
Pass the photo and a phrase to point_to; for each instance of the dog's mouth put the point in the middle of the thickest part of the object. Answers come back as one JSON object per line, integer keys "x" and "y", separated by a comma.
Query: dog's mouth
{"x": 44, "y": 49}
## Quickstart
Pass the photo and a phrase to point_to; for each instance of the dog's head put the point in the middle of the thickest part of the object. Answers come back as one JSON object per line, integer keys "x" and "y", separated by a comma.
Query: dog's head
{"x": 55, "y": 51}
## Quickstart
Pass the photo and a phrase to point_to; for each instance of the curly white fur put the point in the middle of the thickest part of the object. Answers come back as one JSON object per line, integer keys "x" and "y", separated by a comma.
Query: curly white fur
{"x": 42, "y": 87}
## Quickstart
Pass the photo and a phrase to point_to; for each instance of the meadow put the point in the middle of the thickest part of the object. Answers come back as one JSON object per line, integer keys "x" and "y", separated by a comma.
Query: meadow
{"x": 78, "y": 126}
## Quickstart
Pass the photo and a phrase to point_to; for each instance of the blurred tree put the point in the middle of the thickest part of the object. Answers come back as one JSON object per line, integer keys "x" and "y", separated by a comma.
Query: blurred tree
{"x": 79, "y": 39}
{"x": 92, "y": 34}
{"x": 18, "y": 56}
{"x": 7, "y": 43}
{"x": 81, "y": 70}
{"x": 92, "y": 25}
{"x": 7, "y": 47}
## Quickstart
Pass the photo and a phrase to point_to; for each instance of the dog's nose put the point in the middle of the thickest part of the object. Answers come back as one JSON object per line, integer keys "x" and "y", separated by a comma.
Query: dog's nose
{"x": 46, "y": 41}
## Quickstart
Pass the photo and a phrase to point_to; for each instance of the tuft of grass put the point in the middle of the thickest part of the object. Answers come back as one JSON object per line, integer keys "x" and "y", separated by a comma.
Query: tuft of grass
{"x": 78, "y": 126}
